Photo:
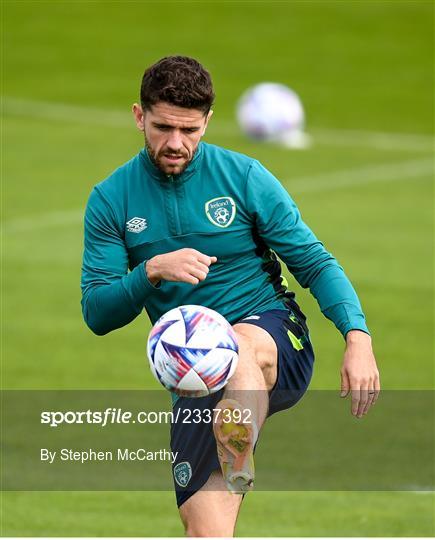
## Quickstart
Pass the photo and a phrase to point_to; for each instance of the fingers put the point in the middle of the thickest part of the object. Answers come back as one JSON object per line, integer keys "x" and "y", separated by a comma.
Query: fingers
{"x": 364, "y": 397}
{"x": 355, "y": 402}
{"x": 198, "y": 271}
{"x": 205, "y": 259}
{"x": 370, "y": 398}
{"x": 194, "y": 274}
{"x": 345, "y": 386}
{"x": 377, "y": 388}
{"x": 364, "y": 393}
{"x": 186, "y": 277}
{"x": 186, "y": 265}
{"x": 373, "y": 394}
{"x": 360, "y": 402}
{"x": 202, "y": 268}
{"x": 198, "y": 268}
{"x": 360, "y": 376}
{"x": 363, "y": 402}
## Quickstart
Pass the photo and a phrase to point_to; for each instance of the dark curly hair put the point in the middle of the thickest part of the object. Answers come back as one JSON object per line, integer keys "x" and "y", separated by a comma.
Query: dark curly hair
{"x": 178, "y": 80}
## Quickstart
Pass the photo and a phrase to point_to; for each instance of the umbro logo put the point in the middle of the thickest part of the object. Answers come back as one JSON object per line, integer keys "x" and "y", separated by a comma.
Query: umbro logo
{"x": 136, "y": 225}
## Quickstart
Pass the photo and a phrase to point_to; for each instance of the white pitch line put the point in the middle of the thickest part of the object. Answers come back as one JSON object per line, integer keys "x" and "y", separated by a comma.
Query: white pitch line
{"x": 67, "y": 113}
{"x": 371, "y": 174}
{"x": 411, "y": 142}
{"x": 379, "y": 140}
{"x": 44, "y": 221}
{"x": 345, "y": 178}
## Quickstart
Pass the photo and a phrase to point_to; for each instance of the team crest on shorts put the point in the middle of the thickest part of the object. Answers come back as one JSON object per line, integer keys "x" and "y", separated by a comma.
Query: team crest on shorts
{"x": 183, "y": 473}
{"x": 221, "y": 211}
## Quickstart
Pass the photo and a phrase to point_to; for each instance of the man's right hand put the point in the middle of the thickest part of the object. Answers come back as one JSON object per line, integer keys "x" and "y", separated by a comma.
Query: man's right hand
{"x": 185, "y": 265}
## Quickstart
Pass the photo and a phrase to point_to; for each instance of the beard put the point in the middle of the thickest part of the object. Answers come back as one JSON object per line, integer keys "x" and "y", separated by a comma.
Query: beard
{"x": 154, "y": 157}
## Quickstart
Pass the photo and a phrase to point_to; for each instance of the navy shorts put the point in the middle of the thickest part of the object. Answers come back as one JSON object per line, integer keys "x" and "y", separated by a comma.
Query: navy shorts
{"x": 194, "y": 440}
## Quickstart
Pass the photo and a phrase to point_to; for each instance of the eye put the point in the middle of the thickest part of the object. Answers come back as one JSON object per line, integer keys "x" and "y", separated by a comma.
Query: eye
{"x": 190, "y": 130}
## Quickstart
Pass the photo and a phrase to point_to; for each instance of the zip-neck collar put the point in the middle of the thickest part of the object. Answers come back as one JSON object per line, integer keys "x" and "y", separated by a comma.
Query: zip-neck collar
{"x": 159, "y": 175}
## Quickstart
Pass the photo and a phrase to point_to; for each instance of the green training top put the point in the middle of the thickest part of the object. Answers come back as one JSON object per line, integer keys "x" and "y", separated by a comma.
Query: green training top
{"x": 224, "y": 204}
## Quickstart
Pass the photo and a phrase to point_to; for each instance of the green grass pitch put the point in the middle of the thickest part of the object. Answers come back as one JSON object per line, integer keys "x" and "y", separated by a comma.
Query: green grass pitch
{"x": 71, "y": 70}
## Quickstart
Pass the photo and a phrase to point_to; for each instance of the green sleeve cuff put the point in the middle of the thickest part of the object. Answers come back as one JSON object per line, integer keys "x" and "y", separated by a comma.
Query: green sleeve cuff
{"x": 138, "y": 287}
{"x": 347, "y": 317}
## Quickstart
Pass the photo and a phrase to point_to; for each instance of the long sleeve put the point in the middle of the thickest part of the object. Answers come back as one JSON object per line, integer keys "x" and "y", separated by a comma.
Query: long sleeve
{"x": 279, "y": 223}
{"x": 111, "y": 296}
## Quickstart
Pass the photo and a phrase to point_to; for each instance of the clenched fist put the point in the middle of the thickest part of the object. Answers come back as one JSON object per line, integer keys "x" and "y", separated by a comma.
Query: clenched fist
{"x": 186, "y": 265}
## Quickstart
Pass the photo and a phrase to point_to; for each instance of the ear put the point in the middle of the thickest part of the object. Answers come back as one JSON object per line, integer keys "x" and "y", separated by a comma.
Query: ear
{"x": 209, "y": 115}
{"x": 138, "y": 116}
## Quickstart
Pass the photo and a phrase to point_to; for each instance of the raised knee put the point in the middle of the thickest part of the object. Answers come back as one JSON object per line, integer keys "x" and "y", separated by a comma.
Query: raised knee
{"x": 261, "y": 351}
{"x": 265, "y": 359}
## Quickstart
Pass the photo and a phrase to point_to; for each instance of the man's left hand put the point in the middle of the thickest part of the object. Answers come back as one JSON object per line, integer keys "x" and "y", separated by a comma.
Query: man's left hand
{"x": 359, "y": 373}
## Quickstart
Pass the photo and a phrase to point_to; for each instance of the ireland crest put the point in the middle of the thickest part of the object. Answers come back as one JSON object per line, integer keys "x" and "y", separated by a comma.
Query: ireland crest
{"x": 183, "y": 473}
{"x": 221, "y": 211}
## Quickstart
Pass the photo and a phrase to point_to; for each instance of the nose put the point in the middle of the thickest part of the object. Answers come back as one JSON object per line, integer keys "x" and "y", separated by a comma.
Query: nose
{"x": 174, "y": 142}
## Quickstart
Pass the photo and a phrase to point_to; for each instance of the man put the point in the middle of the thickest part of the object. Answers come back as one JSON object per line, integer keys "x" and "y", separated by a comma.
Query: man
{"x": 198, "y": 224}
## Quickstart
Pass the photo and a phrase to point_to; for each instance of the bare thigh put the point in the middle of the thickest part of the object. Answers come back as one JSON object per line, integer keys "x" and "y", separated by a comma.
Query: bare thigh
{"x": 211, "y": 511}
{"x": 258, "y": 346}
